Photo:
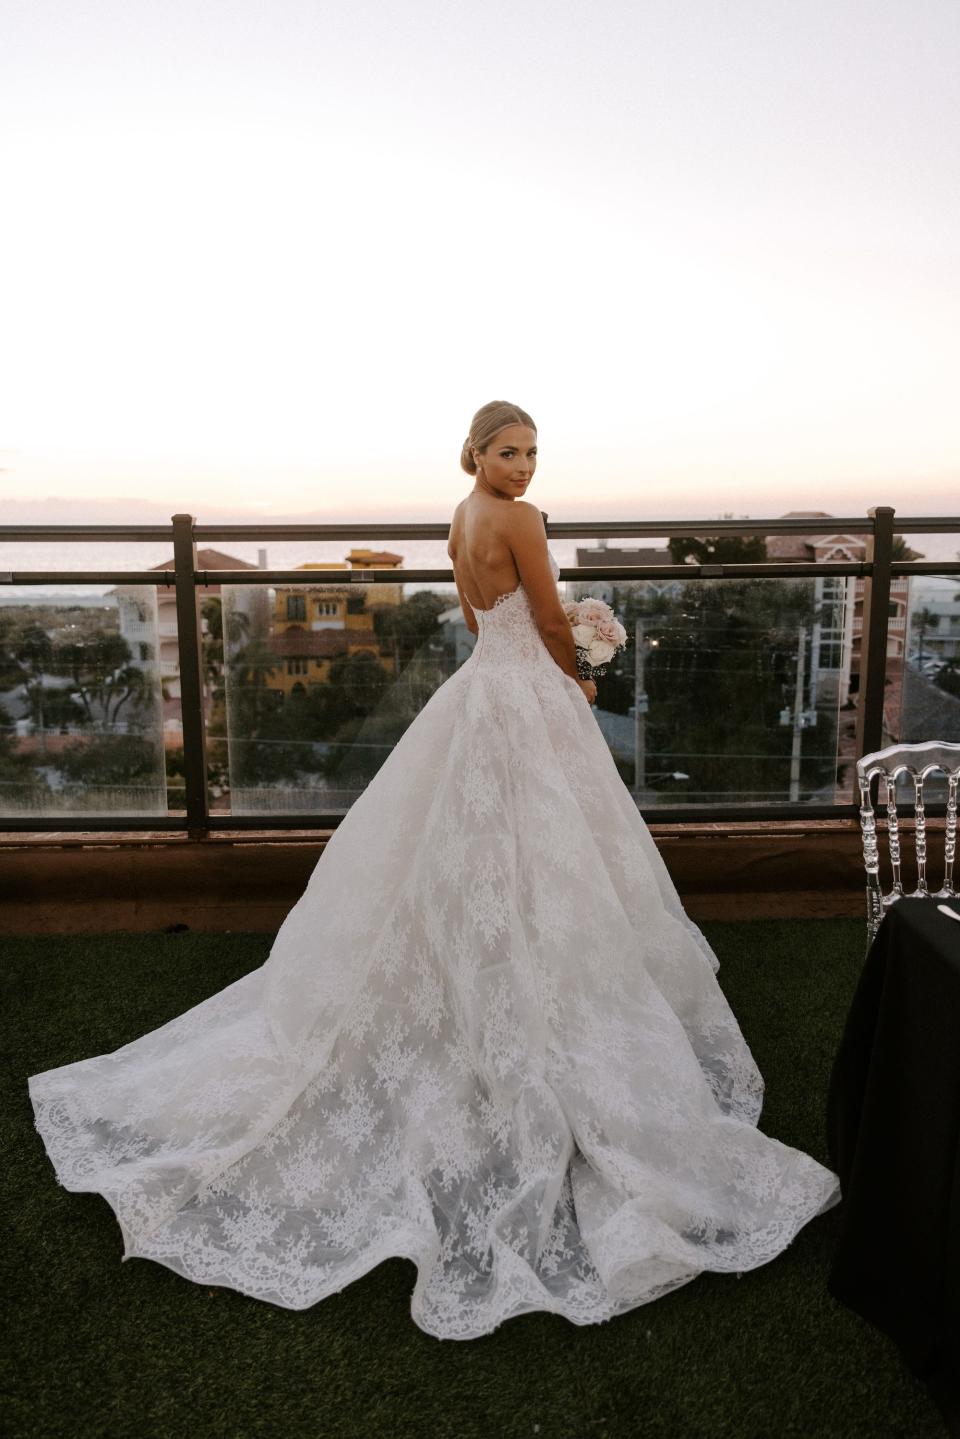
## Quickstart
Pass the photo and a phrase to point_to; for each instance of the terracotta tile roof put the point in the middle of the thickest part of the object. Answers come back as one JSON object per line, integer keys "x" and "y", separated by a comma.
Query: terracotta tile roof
{"x": 807, "y": 515}
{"x": 610, "y": 556}
{"x": 212, "y": 560}
{"x": 206, "y": 560}
{"x": 789, "y": 547}
{"x": 370, "y": 559}
{"x": 795, "y": 547}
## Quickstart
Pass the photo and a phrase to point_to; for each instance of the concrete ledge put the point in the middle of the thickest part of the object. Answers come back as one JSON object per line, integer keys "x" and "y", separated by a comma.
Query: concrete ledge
{"x": 70, "y": 883}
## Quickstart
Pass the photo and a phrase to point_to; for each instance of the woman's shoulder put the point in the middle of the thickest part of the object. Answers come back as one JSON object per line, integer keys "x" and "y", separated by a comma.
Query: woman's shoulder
{"x": 496, "y": 521}
{"x": 522, "y": 514}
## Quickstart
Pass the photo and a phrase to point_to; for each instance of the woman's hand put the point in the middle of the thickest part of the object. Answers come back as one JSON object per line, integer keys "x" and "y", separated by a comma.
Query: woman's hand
{"x": 590, "y": 689}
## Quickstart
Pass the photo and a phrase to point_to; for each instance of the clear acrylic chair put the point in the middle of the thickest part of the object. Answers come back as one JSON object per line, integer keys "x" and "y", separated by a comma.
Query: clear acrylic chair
{"x": 918, "y": 761}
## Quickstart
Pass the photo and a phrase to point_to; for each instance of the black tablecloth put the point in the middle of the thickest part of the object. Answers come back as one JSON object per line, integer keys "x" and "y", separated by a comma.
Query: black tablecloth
{"x": 894, "y": 1137}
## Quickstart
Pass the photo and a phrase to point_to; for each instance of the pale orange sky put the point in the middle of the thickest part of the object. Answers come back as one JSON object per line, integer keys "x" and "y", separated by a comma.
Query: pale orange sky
{"x": 275, "y": 257}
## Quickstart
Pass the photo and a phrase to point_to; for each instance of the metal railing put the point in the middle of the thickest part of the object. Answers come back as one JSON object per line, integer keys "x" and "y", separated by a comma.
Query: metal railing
{"x": 877, "y": 570}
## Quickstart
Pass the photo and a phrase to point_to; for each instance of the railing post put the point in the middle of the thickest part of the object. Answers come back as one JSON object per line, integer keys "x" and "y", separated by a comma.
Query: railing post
{"x": 191, "y": 675}
{"x": 875, "y": 631}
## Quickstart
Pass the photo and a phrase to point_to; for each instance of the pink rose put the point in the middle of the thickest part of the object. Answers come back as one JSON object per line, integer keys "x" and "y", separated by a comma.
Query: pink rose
{"x": 593, "y": 611}
{"x": 607, "y": 630}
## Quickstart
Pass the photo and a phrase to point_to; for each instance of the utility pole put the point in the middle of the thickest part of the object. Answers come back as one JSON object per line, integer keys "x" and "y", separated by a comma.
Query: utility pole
{"x": 639, "y": 712}
{"x": 798, "y": 714}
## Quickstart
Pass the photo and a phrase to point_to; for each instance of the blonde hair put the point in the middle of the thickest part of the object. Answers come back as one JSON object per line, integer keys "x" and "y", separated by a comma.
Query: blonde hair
{"x": 486, "y": 423}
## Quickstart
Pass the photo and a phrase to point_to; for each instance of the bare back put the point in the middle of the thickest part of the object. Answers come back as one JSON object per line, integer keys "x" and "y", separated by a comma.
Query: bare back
{"x": 482, "y": 557}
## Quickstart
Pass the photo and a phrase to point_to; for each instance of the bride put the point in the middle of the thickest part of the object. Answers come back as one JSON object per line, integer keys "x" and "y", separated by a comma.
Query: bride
{"x": 486, "y": 1038}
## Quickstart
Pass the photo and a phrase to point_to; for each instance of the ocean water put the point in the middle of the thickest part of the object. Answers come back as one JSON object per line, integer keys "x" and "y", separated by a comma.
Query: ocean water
{"x": 286, "y": 554}
{"x": 417, "y": 554}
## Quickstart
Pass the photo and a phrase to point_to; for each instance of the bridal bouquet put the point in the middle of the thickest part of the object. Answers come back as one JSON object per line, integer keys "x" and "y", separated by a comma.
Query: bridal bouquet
{"x": 597, "y": 634}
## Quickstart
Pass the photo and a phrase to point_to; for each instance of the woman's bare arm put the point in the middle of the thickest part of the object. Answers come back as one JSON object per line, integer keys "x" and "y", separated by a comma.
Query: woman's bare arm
{"x": 527, "y": 539}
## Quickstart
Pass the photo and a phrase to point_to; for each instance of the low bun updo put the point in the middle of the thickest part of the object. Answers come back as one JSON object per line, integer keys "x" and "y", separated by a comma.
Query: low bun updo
{"x": 467, "y": 462}
{"x": 486, "y": 423}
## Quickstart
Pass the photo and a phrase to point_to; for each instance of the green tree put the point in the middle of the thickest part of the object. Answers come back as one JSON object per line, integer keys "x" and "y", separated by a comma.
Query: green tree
{"x": 11, "y": 670}
{"x": 948, "y": 679}
{"x": 128, "y": 685}
{"x": 411, "y": 627}
{"x": 62, "y": 710}
{"x": 360, "y": 747}
{"x": 922, "y": 621}
{"x": 239, "y": 626}
{"x": 254, "y": 706}
{"x": 343, "y": 727}
{"x": 374, "y": 712}
{"x": 35, "y": 657}
{"x": 16, "y": 769}
{"x": 718, "y": 550}
{"x": 123, "y": 759}
{"x": 720, "y": 664}
{"x": 354, "y": 687}
{"x": 176, "y": 777}
{"x": 103, "y": 678}
{"x": 104, "y": 690}
{"x": 719, "y": 671}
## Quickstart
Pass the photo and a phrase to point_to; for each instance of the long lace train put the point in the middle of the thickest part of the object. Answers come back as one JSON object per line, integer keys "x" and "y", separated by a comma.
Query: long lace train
{"x": 487, "y": 1038}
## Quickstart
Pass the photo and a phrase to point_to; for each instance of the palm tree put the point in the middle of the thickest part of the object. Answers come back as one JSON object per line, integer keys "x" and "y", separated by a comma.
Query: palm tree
{"x": 238, "y": 633}
{"x": 35, "y": 655}
{"x": 922, "y": 621}
{"x": 102, "y": 677}
{"x": 130, "y": 682}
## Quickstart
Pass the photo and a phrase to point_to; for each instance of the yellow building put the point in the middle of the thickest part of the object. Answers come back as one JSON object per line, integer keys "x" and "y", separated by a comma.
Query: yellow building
{"x": 314, "y": 624}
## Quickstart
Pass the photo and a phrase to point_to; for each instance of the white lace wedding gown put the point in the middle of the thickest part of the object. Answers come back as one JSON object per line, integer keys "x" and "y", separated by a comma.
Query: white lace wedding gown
{"x": 486, "y": 1038}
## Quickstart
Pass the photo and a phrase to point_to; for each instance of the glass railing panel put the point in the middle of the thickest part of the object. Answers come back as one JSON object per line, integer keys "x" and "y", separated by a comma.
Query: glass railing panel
{"x": 314, "y": 699}
{"x": 319, "y": 683}
{"x": 783, "y": 729}
{"x": 729, "y": 691}
{"x": 923, "y": 666}
{"x": 20, "y": 556}
{"x": 81, "y": 703}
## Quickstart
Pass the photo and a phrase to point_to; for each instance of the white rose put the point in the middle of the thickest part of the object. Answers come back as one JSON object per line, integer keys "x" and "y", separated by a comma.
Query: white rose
{"x": 584, "y": 635}
{"x": 600, "y": 652}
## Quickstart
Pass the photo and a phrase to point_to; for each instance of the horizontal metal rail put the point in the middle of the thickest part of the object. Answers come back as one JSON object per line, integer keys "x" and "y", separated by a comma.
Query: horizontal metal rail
{"x": 655, "y": 814}
{"x": 622, "y": 574}
{"x": 925, "y": 567}
{"x": 426, "y": 530}
{"x": 877, "y": 570}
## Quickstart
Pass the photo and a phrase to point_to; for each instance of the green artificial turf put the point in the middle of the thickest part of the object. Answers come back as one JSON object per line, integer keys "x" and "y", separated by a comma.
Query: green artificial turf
{"x": 104, "y": 1348}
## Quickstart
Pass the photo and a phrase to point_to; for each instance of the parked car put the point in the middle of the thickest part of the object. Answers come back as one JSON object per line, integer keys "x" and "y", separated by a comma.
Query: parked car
{"x": 929, "y": 665}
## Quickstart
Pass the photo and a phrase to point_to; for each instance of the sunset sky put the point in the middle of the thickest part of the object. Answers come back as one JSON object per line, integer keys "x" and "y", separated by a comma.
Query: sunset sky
{"x": 274, "y": 256}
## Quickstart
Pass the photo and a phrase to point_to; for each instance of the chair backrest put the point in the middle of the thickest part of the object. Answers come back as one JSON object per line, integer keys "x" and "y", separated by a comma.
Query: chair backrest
{"x": 918, "y": 761}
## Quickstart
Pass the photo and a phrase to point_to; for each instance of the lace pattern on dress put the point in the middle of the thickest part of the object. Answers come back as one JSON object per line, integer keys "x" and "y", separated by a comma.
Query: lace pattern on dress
{"x": 487, "y": 1038}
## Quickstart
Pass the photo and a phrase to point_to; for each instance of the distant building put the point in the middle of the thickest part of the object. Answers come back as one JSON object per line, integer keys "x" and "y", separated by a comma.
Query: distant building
{"x": 838, "y": 631}
{"x": 150, "y": 628}
{"x": 379, "y": 594}
{"x": 311, "y": 625}
{"x": 935, "y": 615}
{"x": 308, "y": 625}
{"x": 603, "y": 554}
